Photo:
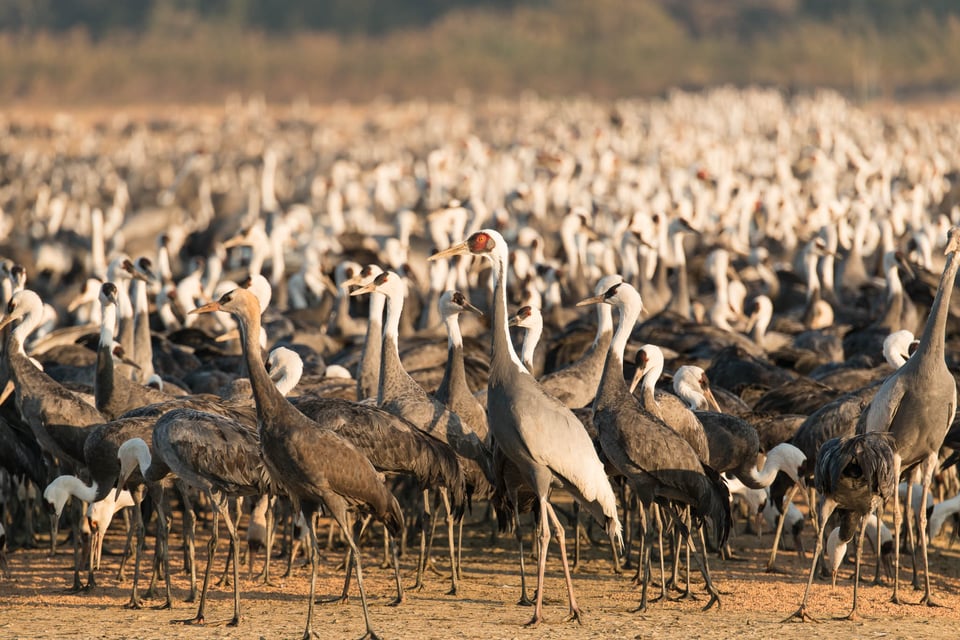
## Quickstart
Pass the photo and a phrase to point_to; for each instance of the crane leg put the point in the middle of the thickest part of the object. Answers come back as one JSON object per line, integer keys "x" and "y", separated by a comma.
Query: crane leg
{"x": 574, "y": 609}
{"x": 897, "y": 516}
{"x": 385, "y": 563}
{"x": 454, "y": 583}
{"x": 426, "y": 519}
{"x": 626, "y": 498}
{"x": 576, "y": 535}
{"x": 211, "y": 551}
{"x": 787, "y": 499}
{"x": 911, "y": 538}
{"x": 927, "y": 477}
{"x": 163, "y": 538}
{"x": 394, "y": 543}
{"x": 518, "y": 533}
{"x": 460, "y": 549}
{"x": 134, "y": 602}
{"x": 825, "y": 511}
{"x": 314, "y": 556}
{"x": 347, "y": 569}
{"x": 127, "y": 546}
{"x": 77, "y": 553}
{"x": 643, "y": 563}
{"x": 189, "y": 538}
{"x": 271, "y": 535}
{"x": 541, "y": 563}
{"x": 853, "y": 615}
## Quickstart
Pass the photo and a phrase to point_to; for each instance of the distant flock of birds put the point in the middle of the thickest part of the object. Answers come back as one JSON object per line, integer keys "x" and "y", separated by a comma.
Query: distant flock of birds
{"x": 778, "y": 256}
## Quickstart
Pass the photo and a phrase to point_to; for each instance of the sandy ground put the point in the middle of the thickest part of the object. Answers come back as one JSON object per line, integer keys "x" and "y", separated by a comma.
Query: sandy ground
{"x": 35, "y": 605}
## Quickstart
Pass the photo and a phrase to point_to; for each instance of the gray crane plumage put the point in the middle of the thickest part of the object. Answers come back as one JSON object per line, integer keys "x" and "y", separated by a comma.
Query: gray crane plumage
{"x": 539, "y": 434}
{"x": 917, "y": 405}
{"x": 312, "y": 465}
{"x": 855, "y": 474}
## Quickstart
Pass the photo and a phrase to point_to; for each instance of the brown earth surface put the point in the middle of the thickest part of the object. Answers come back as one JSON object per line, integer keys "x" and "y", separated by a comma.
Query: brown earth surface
{"x": 34, "y": 603}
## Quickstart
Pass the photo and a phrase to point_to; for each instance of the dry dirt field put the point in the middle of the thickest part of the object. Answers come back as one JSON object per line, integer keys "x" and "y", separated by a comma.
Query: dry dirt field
{"x": 35, "y": 605}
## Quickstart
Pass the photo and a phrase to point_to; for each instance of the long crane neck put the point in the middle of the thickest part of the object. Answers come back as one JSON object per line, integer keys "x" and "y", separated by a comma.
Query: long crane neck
{"x": 392, "y": 372}
{"x": 502, "y": 345}
{"x": 530, "y": 341}
{"x": 454, "y": 375}
{"x": 18, "y": 335}
{"x": 649, "y": 384}
{"x": 103, "y": 382}
{"x": 612, "y": 384}
{"x": 265, "y": 393}
{"x": 143, "y": 348}
{"x": 932, "y": 339}
{"x": 368, "y": 376}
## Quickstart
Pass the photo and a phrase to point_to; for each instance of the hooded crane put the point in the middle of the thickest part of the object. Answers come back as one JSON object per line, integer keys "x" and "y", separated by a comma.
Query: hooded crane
{"x": 916, "y": 405}
{"x": 312, "y": 465}
{"x": 543, "y": 438}
{"x": 659, "y": 463}
{"x": 856, "y": 475}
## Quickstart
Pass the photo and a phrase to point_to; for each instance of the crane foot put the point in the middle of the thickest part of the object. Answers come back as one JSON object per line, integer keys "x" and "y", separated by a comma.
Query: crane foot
{"x": 714, "y": 600}
{"x": 574, "y": 614}
{"x": 341, "y": 599}
{"x": 197, "y": 620}
{"x": 801, "y": 615}
{"x": 930, "y": 602}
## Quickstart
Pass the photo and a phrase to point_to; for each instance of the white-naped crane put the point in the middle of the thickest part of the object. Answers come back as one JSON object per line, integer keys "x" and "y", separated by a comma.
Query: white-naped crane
{"x": 543, "y": 438}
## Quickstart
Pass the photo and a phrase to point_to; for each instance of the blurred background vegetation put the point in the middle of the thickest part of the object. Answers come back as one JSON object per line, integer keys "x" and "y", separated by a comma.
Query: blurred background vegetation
{"x": 63, "y": 52}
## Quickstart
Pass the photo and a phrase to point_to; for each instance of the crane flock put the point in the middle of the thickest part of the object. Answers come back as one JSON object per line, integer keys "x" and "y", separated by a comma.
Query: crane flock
{"x": 784, "y": 326}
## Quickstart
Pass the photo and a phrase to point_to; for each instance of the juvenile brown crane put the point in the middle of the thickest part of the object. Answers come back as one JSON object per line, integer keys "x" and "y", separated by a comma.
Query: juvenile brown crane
{"x": 312, "y": 465}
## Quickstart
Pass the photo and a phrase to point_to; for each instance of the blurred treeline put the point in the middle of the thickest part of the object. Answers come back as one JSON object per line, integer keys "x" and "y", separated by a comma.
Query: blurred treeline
{"x": 108, "y": 51}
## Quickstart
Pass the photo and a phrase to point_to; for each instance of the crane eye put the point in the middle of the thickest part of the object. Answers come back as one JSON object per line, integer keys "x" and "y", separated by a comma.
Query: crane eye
{"x": 380, "y": 279}
{"x": 480, "y": 241}
{"x": 458, "y": 298}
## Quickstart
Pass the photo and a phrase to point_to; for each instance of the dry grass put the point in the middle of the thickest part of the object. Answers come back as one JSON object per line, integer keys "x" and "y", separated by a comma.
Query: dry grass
{"x": 607, "y": 48}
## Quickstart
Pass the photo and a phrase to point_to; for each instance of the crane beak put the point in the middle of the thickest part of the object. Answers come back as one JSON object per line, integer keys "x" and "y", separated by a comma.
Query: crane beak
{"x": 125, "y": 360}
{"x": 469, "y": 307}
{"x": 5, "y": 322}
{"x": 80, "y": 299}
{"x": 233, "y": 334}
{"x": 235, "y": 241}
{"x": 121, "y": 481}
{"x": 367, "y": 288}
{"x": 354, "y": 281}
{"x": 514, "y": 321}
{"x": 7, "y": 390}
{"x": 637, "y": 377}
{"x": 458, "y": 249}
{"x": 588, "y": 301}
{"x": 207, "y": 308}
{"x": 711, "y": 400}
{"x": 751, "y": 321}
